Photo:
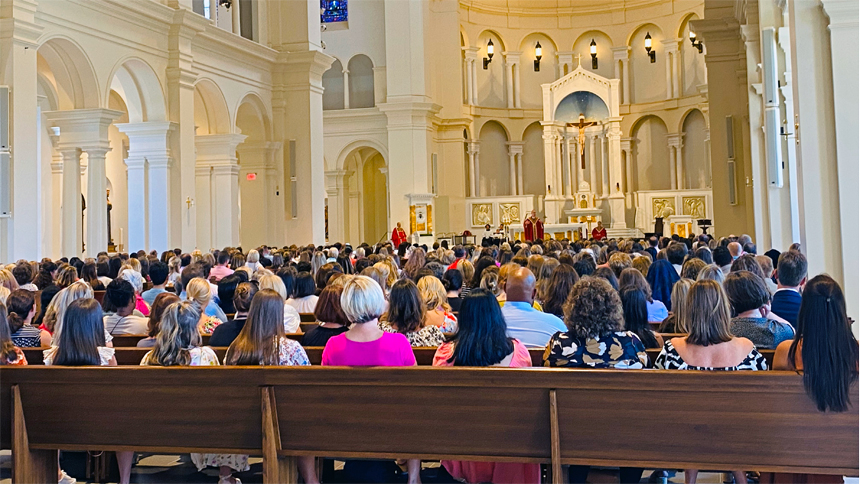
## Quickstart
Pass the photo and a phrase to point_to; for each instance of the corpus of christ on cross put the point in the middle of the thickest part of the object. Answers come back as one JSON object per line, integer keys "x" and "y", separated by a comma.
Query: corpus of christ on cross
{"x": 581, "y": 125}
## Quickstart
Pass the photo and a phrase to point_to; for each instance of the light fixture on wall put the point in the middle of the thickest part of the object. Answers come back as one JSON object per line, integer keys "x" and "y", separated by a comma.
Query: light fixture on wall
{"x": 490, "y": 52}
{"x": 226, "y": 3}
{"x": 538, "y": 55}
{"x": 593, "y": 47}
{"x": 696, "y": 43}
{"x": 651, "y": 53}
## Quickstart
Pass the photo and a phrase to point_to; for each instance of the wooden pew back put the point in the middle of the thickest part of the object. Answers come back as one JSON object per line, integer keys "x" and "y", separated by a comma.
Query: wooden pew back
{"x": 732, "y": 420}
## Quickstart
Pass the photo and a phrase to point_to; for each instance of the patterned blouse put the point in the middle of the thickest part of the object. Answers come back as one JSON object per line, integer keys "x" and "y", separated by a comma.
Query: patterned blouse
{"x": 20, "y": 359}
{"x": 426, "y": 336}
{"x": 27, "y": 337}
{"x": 669, "y": 359}
{"x": 200, "y": 356}
{"x": 208, "y": 324}
{"x": 763, "y": 332}
{"x": 621, "y": 349}
{"x": 291, "y": 353}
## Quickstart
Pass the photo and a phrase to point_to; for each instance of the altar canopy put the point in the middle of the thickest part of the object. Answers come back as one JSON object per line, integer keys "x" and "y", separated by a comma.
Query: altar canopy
{"x": 582, "y": 148}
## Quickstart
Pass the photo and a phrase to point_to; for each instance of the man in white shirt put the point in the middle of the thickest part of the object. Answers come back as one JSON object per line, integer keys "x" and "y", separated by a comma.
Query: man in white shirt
{"x": 120, "y": 317}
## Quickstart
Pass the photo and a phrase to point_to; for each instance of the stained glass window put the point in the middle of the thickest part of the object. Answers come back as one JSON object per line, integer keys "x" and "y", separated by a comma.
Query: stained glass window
{"x": 333, "y": 11}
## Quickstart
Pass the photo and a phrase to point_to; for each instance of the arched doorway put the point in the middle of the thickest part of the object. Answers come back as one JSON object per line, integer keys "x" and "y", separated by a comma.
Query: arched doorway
{"x": 365, "y": 194}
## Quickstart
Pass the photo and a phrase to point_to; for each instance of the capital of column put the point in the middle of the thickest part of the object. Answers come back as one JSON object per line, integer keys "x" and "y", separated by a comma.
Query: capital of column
{"x": 57, "y": 168}
{"x": 627, "y": 143}
{"x": 473, "y": 146}
{"x": 511, "y": 58}
{"x": 335, "y": 178}
{"x": 471, "y": 53}
{"x": 621, "y": 53}
{"x": 671, "y": 45}
{"x": 83, "y": 127}
{"x": 96, "y": 153}
{"x": 225, "y": 169}
{"x": 215, "y": 149}
{"x": 21, "y": 25}
{"x": 296, "y": 68}
{"x": 515, "y": 147}
{"x": 674, "y": 140}
{"x": 842, "y": 13}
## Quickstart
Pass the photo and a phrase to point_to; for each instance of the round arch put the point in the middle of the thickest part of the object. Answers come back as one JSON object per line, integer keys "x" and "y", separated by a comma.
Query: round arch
{"x": 687, "y": 113}
{"x": 641, "y": 119}
{"x": 589, "y": 34}
{"x": 136, "y": 82}
{"x": 682, "y": 25}
{"x": 495, "y": 35}
{"x": 358, "y": 144}
{"x": 253, "y": 106}
{"x": 479, "y": 129}
{"x": 647, "y": 26}
{"x": 210, "y": 108}
{"x": 71, "y": 72}
{"x": 552, "y": 44}
{"x": 464, "y": 37}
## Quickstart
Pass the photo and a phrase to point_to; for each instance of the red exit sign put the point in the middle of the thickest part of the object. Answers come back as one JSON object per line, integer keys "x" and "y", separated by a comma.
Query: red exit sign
{"x": 251, "y": 176}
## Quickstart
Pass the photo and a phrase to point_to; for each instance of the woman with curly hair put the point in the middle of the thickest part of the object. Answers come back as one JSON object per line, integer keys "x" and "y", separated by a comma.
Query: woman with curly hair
{"x": 595, "y": 339}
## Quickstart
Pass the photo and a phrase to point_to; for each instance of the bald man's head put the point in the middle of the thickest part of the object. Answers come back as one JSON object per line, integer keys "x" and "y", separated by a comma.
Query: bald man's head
{"x": 735, "y": 249}
{"x": 520, "y": 286}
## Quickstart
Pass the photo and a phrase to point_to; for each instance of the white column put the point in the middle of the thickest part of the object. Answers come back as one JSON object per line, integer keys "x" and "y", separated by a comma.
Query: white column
{"x": 512, "y": 167}
{"x": 604, "y": 163}
{"x": 679, "y": 162}
{"x": 616, "y": 197}
{"x": 549, "y": 159}
{"x": 203, "y": 204}
{"x": 475, "y": 81}
{"x": 473, "y": 149}
{"x": 55, "y": 243}
{"x": 509, "y": 79}
{"x": 670, "y": 48}
{"x": 672, "y": 140}
{"x": 625, "y": 145}
{"x": 621, "y": 56}
{"x": 843, "y": 47}
{"x": 592, "y": 159}
{"x": 218, "y": 153}
{"x": 150, "y": 159}
{"x": 676, "y": 69}
{"x": 345, "y": 88}
{"x": 558, "y": 164}
{"x": 467, "y": 78}
{"x": 520, "y": 173}
{"x": 517, "y": 83}
{"x": 565, "y": 163}
{"x": 237, "y": 22}
{"x": 72, "y": 215}
{"x": 337, "y": 197}
{"x": 137, "y": 216}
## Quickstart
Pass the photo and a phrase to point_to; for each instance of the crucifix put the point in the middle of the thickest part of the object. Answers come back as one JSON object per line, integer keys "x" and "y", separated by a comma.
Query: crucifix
{"x": 582, "y": 125}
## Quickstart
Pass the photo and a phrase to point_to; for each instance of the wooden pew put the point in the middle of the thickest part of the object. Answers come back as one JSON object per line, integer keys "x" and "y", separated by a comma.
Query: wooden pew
{"x": 307, "y": 317}
{"x": 99, "y": 296}
{"x": 731, "y": 420}
{"x": 423, "y": 356}
{"x": 305, "y": 327}
{"x": 130, "y": 340}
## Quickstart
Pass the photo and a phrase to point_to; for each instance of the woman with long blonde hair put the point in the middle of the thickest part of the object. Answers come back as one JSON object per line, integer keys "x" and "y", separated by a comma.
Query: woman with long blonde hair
{"x": 199, "y": 293}
{"x": 435, "y": 299}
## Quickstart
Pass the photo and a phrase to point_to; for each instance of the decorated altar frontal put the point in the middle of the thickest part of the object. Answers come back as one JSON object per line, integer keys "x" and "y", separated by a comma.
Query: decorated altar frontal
{"x": 570, "y": 231}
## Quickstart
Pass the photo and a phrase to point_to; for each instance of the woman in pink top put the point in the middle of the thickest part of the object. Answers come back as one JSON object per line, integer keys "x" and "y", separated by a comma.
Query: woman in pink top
{"x": 482, "y": 341}
{"x": 365, "y": 344}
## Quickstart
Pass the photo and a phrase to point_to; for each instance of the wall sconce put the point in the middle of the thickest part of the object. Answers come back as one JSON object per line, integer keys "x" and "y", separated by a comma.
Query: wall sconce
{"x": 593, "y": 47}
{"x": 490, "y": 52}
{"x": 696, "y": 43}
{"x": 225, "y": 3}
{"x": 651, "y": 54}
{"x": 538, "y": 55}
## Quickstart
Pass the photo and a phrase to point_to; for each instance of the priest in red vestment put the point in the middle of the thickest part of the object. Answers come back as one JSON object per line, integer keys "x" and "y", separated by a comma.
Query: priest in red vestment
{"x": 398, "y": 236}
{"x": 599, "y": 232}
{"x": 532, "y": 228}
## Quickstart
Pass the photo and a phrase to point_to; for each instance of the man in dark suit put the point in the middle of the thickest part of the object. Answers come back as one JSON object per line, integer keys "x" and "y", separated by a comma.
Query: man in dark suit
{"x": 652, "y": 247}
{"x": 790, "y": 278}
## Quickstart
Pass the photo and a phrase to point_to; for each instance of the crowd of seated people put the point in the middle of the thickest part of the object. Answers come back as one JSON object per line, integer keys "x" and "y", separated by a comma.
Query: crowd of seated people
{"x": 586, "y": 304}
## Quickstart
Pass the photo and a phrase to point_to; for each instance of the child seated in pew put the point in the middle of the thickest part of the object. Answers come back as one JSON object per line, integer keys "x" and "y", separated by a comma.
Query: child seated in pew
{"x": 82, "y": 343}
{"x": 9, "y": 353}
{"x": 159, "y": 305}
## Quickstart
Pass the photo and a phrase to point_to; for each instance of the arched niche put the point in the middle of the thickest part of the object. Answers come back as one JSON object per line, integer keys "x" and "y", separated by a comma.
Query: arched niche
{"x": 491, "y": 81}
{"x": 650, "y": 148}
{"x": 693, "y": 72}
{"x": 136, "y": 82}
{"x": 364, "y": 195}
{"x": 211, "y": 115}
{"x": 252, "y": 118}
{"x": 65, "y": 65}
{"x": 581, "y": 102}
{"x": 605, "y": 57}
{"x": 530, "y": 93}
{"x": 494, "y": 166}
{"x": 360, "y": 69}
{"x": 580, "y": 80}
{"x": 693, "y": 152}
{"x": 647, "y": 79}
{"x": 333, "y": 87}
{"x": 534, "y": 174}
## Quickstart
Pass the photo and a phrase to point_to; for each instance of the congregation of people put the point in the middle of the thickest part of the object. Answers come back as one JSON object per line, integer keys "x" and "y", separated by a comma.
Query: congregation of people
{"x": 708, "y": 304}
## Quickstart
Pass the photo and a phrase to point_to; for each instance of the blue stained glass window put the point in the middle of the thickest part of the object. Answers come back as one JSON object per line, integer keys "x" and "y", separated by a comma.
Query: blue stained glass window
{"x": 333, "y": 11}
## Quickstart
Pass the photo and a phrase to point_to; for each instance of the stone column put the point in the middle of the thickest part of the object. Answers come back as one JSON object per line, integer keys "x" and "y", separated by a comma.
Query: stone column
{"x": 149, "y": 158}
{"x": 469, "y": 56}
{"x": 565, "y": 163}
{"x": 337, "y": 198}
{"x": 21, "y": 235}
{"x": 672, "y": 141}
{"x": 217, "y": 152}
{"x": 72, "y": 222}
{"x": 475, "y": 186}
{"x": 616, "y": 174}
{"x": 621, "y": 56}
{"x": 626, "y": 150}
{"x": 559, "y": 168}
{"x": 517, "y": 83}
{"x": 345, "y": 89}
{"x": 512, "y": 167}
{"x": 181, "y": 77}
{"x": 592, "y": 159}
{"x": 844, "y": 39}
{"x": 510, "y": 59}
{"x": 604, "y": 163}
{"x": 237, "y": 20}
{"x": 670, "y": 48}
{"x": 96, "y": 234}
{"x": 520, "y": 173}
{"x": 549, "y": 159}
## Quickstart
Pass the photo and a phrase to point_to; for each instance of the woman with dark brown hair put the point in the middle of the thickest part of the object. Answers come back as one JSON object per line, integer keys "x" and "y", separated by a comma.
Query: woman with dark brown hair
{"x": 9, "y": 353}
{"x": 407, "y": 315}
{"x": 21, "y": 309}
{"x": 557, "y": 288}
{"x": 657, "y": 311}
{"x": 330, "y": 317}
{"x": 89, "y": 274}
{"x": 155, "y": 313}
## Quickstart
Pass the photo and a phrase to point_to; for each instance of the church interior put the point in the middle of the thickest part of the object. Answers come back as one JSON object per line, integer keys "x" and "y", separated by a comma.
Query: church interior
{"x": 206, "y": 125}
